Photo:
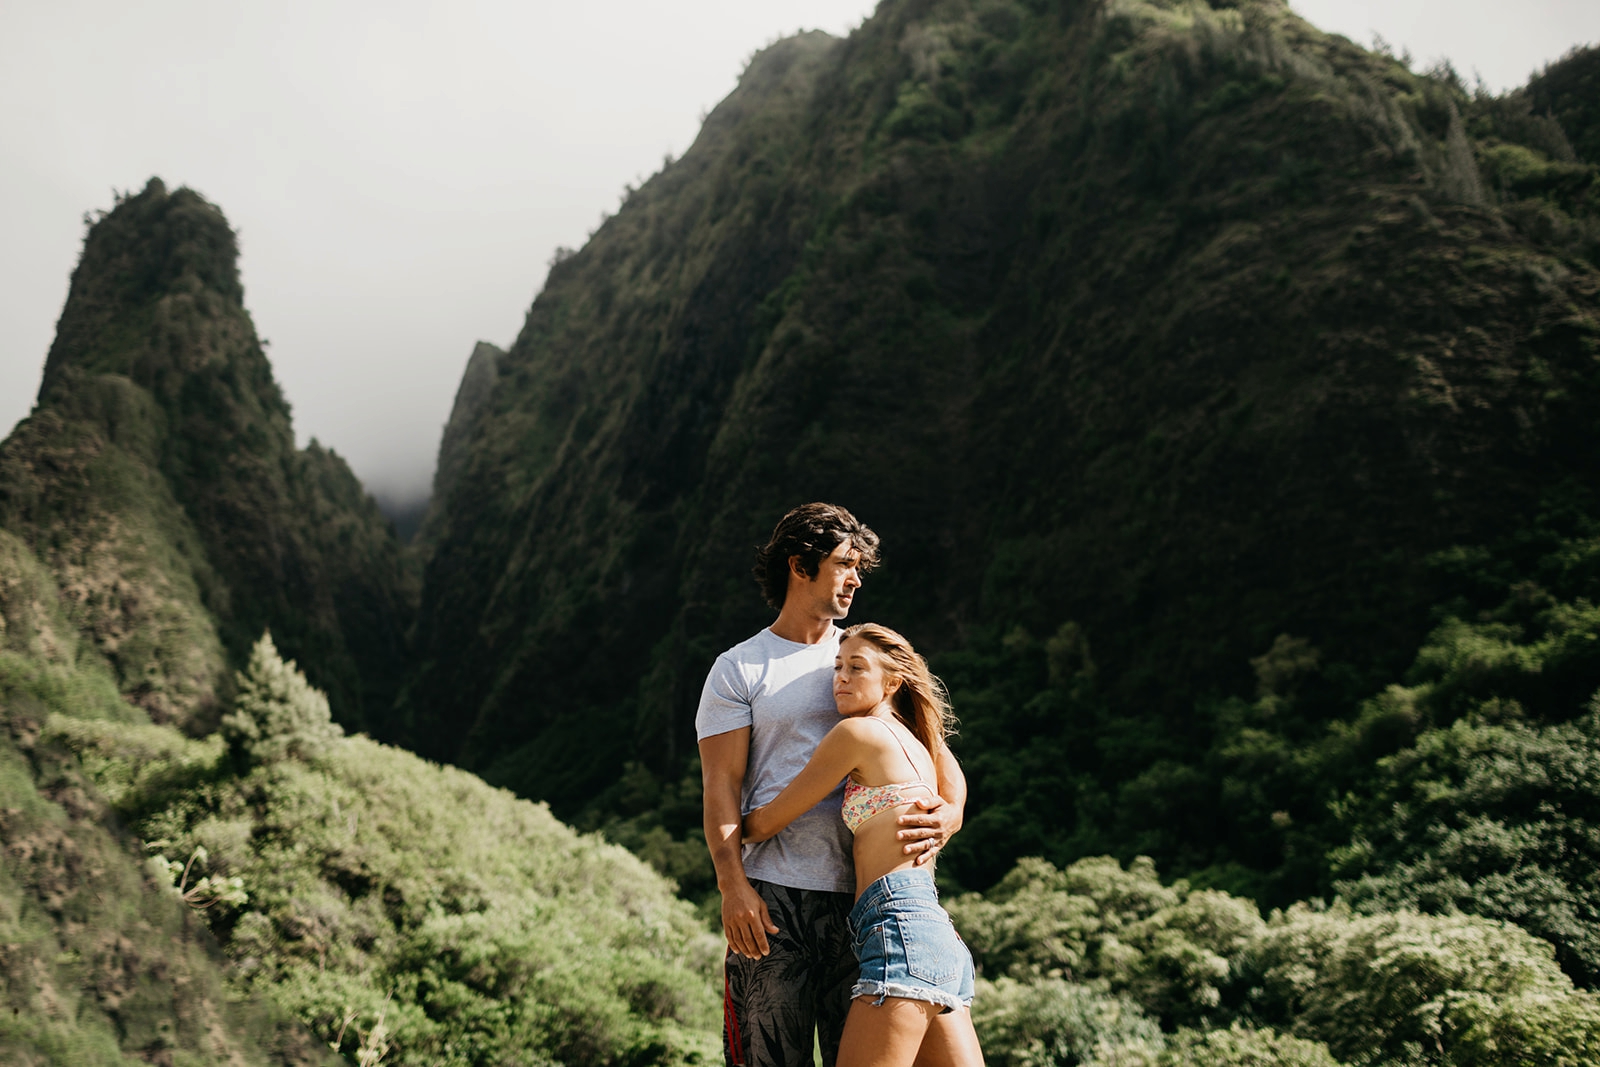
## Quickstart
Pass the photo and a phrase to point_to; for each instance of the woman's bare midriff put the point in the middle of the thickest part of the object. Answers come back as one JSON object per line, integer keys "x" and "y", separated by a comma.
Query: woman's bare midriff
{"x": 878, "y": 851}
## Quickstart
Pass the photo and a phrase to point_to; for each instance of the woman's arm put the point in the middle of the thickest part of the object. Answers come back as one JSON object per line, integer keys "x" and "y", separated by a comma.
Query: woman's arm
{"x": 837, "y": 755}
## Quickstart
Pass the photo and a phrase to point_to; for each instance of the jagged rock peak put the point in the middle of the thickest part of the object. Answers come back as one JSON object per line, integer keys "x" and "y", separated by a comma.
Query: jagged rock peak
{"x": 477, "y": 384}
{"x": 157, "y": 478}
{"x": 157, "y": 290}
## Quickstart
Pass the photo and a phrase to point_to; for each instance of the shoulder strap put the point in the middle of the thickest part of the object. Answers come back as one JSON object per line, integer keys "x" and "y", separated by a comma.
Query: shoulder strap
{"x": 903, "y": 749}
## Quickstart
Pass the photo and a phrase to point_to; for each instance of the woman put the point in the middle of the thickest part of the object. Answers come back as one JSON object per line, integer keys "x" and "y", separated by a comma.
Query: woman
{"x": 913, "y": 966}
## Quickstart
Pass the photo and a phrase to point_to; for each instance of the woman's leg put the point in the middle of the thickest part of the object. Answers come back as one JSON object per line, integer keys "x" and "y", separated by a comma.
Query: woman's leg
{"x": 951, "y": 1042}
{"x": 884, "y": 1035}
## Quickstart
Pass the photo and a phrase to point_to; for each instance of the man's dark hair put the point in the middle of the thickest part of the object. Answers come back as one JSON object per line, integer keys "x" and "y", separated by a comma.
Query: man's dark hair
{"x": 812, "y": 532}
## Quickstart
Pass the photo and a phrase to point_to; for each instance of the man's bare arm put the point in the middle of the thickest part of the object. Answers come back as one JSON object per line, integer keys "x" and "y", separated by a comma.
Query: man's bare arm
{"x": 925, "y": 832}
{"x": 745, "y": 921}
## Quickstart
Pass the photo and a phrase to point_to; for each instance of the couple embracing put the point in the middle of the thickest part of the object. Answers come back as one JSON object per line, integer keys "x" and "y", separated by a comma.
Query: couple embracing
{"x": 829, "y": 789}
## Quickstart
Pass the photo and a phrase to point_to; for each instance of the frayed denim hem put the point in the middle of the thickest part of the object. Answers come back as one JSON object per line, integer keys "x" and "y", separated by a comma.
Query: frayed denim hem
{"x": 947, "y": 1001}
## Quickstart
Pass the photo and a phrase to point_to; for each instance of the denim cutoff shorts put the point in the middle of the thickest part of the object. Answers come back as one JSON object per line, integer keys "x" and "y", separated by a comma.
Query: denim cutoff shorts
{"x": 906, "y": 944}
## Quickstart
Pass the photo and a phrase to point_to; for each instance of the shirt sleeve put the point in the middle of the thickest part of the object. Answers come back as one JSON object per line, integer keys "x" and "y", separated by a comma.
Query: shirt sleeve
{"x": 724, "y": 702}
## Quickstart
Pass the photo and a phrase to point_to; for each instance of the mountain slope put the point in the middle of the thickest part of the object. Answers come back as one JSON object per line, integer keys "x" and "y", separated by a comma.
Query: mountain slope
{"x": 157, "y": 478}
{"x": 102, "y": 964}
{"x": 146, "y": 505}
{"x": 547, "y": 445}
{"x": 1172, "y": 327}
{"x": 271, "y": 892}
{"x": 396, "y": 906}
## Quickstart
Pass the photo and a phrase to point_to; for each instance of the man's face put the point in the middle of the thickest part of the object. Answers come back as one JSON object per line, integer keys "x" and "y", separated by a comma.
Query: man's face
{"x": 838, "y": 578}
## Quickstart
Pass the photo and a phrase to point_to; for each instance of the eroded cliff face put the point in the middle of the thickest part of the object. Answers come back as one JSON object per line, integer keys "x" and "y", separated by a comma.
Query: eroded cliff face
{"x": 1186, "y": 325}
{"x": 158, "y": 481}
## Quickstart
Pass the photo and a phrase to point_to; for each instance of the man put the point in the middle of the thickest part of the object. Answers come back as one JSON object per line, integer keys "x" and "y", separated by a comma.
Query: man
{"x": 766, "y": 704}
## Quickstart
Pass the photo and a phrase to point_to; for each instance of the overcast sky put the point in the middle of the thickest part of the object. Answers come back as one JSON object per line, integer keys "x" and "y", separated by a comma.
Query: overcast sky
{"x": 399, "y": 172}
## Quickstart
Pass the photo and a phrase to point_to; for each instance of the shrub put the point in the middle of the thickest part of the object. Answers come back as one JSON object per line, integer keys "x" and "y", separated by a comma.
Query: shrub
{"x": 139, "y": 767}
{"x": 1050, "y": 1021}
{"x": 471, "y": 924}
{"x": 1376, "y": 986}
{"x": 1239, "y": 1046}
{"x": 1494, "y": 819}
{"x": 1086, "y": 961}
{"x": 277, "y": 713}
{"x": 1165, "y": 946}
{"x": 1530, "y": 1030}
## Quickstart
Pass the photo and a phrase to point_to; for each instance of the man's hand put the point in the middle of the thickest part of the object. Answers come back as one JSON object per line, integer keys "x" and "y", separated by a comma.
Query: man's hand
{"x": 926, "y": 831}
{"x": 745, "y": 921}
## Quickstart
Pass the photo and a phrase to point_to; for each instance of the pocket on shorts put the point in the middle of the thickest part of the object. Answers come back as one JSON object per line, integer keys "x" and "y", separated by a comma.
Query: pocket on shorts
{"x": 870, "y": 952}
{"x": 933, "y": 954}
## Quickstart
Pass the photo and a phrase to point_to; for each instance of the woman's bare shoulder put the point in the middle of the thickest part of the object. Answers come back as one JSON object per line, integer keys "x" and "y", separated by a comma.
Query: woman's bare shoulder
{"x": 861, "y": 729}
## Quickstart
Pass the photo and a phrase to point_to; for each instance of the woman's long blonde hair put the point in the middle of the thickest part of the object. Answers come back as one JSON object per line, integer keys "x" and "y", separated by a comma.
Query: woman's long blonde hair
{"x": 920, "y": 701}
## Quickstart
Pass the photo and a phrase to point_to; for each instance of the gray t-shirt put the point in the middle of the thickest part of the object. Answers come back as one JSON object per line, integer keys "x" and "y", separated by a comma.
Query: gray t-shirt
{"x": 783, "y": 691}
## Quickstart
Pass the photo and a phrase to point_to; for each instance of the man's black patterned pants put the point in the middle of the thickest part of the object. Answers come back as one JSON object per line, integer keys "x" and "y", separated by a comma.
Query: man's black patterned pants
{"x": 772, "y": 1005}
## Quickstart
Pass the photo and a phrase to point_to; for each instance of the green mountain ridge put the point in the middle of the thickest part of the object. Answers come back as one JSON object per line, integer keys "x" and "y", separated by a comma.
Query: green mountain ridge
{"x": 153, "y": 511}
{"x": 157, "y": 478}
{"x": 198, "y": 867}
{"x": 1144, "y": 333}
{"x": 1222, "y": 391}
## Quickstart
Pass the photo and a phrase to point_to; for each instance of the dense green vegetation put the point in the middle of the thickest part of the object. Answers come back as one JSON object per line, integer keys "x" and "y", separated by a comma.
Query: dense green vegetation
{"x": 199, "y": 866}
{"x": 1224, "y": 394}
{"x": 1568, "y": 92}
{"x": 1467, "y": 783}
{"x": 1081, "y": 963}
{"x": 403, "y": 912}
{"x": 1144, "y": 333}
{"x": 101, "y": 964}
{"x": 395, "y": 905}
{"x": 1516, "y": 643}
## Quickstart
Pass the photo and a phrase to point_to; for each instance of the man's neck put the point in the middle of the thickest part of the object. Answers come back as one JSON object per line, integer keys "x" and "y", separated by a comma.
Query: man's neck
{"x": 801, "y": 628}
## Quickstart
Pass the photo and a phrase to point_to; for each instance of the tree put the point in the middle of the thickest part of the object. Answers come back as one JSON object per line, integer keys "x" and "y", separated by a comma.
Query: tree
{"x": 277, "y": 713}
{"x": 1499, "y": 819}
